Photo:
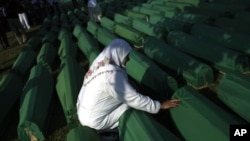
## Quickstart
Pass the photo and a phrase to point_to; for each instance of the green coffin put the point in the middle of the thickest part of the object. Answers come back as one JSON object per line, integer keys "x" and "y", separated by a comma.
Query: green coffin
{"x": 35, "y": 42}
{"x": 69, "y": 82}
{"x": 67, "y": 47}
{"x": 108, "y": 23}
{"x": 46, "y": 56}
{"x": 223, "y": 59}
{"x": 77, "y": 30}
{"x": 199, "y": 119}
{"x": 129, "y": 33}
{"x": 233, "y": 25}
{"x": 149, "y": 29}
{"x": 35, "y": 103}
{"x": 88, "y": 46}
{"x": 64, "y": 32}
{"x": 119, "y": 18}
{"x": 92, "y": 28}
{"x": 228, "y": 39}
{"x": 24, "y": 62}
{"x": 82, "y": 133}
{"x": 11, "y": 86}
{"x": 105, "y": 36}
{"x": 194, "y": 72}
{"x": 146, "y": 72}
{"x": 168, "y": 24}
{"x": 136, "y": 15}
{"x": 50, "y": 37}
{"x": 135, "y": 125}
{"x": 234, "y": 91}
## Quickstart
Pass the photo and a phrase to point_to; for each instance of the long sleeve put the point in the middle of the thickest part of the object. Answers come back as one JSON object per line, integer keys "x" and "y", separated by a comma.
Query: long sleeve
{"x": 119, "y": 88}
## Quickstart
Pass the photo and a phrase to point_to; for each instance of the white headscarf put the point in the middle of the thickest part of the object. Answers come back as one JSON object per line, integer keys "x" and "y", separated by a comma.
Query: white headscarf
{"x": 112, "y": 54}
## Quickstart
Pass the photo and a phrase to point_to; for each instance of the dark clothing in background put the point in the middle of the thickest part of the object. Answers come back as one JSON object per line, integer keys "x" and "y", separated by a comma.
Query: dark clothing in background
{"x": 4, "y": 28}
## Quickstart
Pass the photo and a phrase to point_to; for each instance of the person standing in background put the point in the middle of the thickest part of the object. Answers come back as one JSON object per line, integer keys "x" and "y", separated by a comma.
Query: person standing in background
{"x": 94, "y": 10}
{"x": 23, "y": 16}
{"x": 11, "y": 11}
{"x": 3, "y": 28}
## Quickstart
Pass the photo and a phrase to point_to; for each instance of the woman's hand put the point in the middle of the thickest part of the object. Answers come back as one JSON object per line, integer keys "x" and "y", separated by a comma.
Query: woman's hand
{"x": 170, "y": 104}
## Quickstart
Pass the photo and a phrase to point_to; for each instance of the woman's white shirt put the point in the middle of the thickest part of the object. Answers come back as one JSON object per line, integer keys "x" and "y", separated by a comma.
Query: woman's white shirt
{"x": 107, "y": 96}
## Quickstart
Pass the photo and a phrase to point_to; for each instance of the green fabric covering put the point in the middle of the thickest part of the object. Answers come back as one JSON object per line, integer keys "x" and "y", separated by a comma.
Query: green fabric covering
{"x": 178, "y": 4}
{"x": 49, "y": 37}
{"x": 223, "y": 7}
{"x": 119, "y": 18}
{"x": 234, "y": 91}
{"x": 69, "y": 82}
{"x": 82, "y": 133}
{"x": 135, "y": 125}
{"x": 146, "y": 72}
{"x": 77, "y": 30}
{"x": 11, "y": 86}
{"x": 164, "y": 8}
{"x": 168, "y": 24}
{"x": 46, "y": 56}
{"x": 55, "y": 29}
{"x": 104, "y": 36}
{"x": 223, "y": 59}
{"x": 243, "y": 15}
{"x": 24, "y": 62}
{"x": 194, "y": 72}
{"x": 189, "y": 18}
{"x": 149, "y": 11}
{"x": 228, "y": 39}
{"x": 67, "y": 47}
{"x": 234, "y": 25}
{"x": 147, "y": 28}
{"x": 92, "y": 28}
{"x": 135, "y": 15}
{"x": 64, "y": 32}
{"x": 35, "y": 102}
{"x": 28, "y": 131}
{"x": 199, "y": 119}
{"x": 130, "y": 34}
{"x": 88, "y": 46}
{"x": 108, "y": 23}
{"x": 35, "y": 42}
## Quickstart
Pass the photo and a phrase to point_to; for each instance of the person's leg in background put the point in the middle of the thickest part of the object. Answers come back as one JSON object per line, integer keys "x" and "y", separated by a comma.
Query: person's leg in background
{"x": 26, "y": 21}
{"x": 18, "y": 30}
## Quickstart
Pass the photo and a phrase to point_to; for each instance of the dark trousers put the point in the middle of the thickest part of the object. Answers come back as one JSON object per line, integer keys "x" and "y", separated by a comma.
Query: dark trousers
{"x": 3, "y": 39}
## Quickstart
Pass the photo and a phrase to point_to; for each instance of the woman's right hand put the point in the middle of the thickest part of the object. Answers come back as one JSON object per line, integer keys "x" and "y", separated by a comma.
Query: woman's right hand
{"x": 170, "y": 104}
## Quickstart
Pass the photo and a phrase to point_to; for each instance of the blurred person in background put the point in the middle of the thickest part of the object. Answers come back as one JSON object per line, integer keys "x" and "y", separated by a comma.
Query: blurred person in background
{"x": 23, "y": 16}
{"x": 12, "y": 9}
{"x": 94, "y": 11}
{"x": 3, "y": 28}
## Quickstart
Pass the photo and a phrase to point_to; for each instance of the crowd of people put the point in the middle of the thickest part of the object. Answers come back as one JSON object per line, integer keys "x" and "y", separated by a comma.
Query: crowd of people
{"x": 18, "y": 16}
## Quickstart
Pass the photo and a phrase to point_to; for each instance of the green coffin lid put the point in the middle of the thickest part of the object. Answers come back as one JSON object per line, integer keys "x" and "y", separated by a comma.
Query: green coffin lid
{"x": 82, "y": 133}
{"x": 108, "y": 23}
{"x": 146, "y": 72}
{"x": 234, "y": 91}
{"x": 36, "y": 100}
{"x": 135, "y": 125}
{"x": 194, "y": 72}
{"x": 105, "y": 36}
{"x": 69, "y": 82}
{"x": 224, "y": 59}
{"x": 236, "y": 41}
{"x": 199, "y": 119}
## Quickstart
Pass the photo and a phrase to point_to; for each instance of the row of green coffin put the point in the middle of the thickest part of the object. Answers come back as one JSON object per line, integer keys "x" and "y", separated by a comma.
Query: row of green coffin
{"x": 224, "y": 59}
{"x": 199, "y": 118}
{"x": 35, "y": 105}
{"x": 222, "y": 37}
{"x": 194, "y": 72}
